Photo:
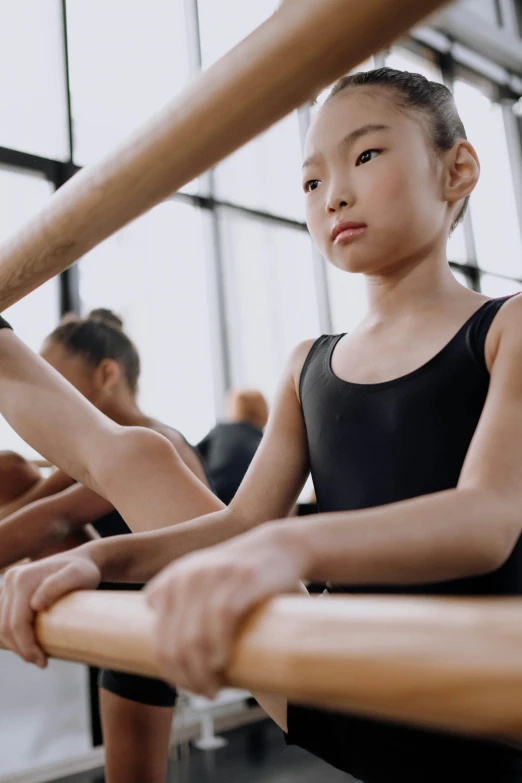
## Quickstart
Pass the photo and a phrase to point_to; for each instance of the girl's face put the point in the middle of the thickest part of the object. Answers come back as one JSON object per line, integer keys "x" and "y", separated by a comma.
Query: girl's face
{"x": 374, "y": 187}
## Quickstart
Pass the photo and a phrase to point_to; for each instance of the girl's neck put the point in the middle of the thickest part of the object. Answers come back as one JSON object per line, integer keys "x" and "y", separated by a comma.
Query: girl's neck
{"x": 413, "y": 289}
{"x": 124, "y": 411}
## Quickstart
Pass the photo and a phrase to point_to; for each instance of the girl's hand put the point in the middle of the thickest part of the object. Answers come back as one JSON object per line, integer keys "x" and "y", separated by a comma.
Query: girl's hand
{"x": 201, "y": 599}
{"x": 29, "y": 589}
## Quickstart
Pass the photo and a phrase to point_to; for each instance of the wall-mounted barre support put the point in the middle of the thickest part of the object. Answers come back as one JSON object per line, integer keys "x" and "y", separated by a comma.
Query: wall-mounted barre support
{"x": 301, "y": 49}
{"x": 448, "y": 663}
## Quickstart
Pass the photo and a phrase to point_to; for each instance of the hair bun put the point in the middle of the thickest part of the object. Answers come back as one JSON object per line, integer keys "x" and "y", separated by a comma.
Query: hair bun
{"x": 106, "y": 317}
{"x": 70, "y": 318}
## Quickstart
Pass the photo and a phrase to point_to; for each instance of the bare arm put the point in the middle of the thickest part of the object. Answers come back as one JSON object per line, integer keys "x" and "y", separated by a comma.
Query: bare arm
{"x": 131, "y": 466}
{"x": 201, "y": 599}
{"x": 56, "y": 482}
{"x": 47, "y": 523}
{"x": 269, "y": 490}
{"x": 186, "y": 452}
{"x": 51, "y": 523}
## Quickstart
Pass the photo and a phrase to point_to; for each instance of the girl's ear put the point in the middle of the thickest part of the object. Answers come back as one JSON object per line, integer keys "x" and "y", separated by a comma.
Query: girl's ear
{"x": 108, "y": 375}
{"x": 462, "y": 172}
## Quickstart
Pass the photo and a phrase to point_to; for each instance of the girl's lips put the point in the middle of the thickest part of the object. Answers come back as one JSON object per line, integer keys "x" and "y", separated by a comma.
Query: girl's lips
{"x": 346, "y": 230}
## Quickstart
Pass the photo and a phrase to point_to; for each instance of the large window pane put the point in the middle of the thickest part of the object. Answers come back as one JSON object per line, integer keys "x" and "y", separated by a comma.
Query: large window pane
{"x": 486, "y": 9}
{"x": 153, "y": 274}
{"x": 457, "y": 250}
{"x": 33, "y": 106}
{"x": 266, "y": 173}
{"x": 21, "y": 196}
{"x": 405, "y": 60}
{"x": 492, "y": 285}
{"x": 126, "y": 61}
{"x": 348, "y": 300}
{"x": 462, "y": 278}
{"x": 367, "y": 65}
{"x": 493, "y": 206}
{"x": 224, "y": 24}
{"x": 270, "y": 292}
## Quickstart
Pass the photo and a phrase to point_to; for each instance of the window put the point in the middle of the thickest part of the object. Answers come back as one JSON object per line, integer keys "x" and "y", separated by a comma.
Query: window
{"x": 271, "y": 301}
{"x": 223, "y": 24}
{"x": 405, "y": 60}
{"x": 485, "y": 9}
{"x": 461, "y": 277}
{"x": 492, "y": 285}
{"x": 266, "y": 173}
{"x": 348, "y": 300}
{"x": 126, "y": 62}
{"x": 21, "y": 196}
{"x": 457, "y": 250}
{"x": 367, "y": 65}
{"x": 493, "y": 209}
{"x": 152, "y": 273}
{"x": 33, "y": 104}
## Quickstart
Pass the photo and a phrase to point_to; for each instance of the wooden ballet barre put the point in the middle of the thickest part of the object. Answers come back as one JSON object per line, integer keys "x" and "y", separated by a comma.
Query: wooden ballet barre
{"x": 287, "y": 61}
{"x": 41, "y": 463}
{"x": 449, "y": 663}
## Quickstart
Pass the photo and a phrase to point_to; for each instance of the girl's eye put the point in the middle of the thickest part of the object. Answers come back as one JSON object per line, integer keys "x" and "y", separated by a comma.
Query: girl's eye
{"x": 311, "y": 185}
{"x": 367, "y": 156}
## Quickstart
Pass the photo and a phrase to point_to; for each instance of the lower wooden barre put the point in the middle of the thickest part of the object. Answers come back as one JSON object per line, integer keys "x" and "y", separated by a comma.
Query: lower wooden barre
{"x": 449, "y": 663}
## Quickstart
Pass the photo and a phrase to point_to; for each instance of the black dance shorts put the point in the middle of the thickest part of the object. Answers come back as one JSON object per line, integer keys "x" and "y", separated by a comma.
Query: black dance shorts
{"x": 135, "y": 687}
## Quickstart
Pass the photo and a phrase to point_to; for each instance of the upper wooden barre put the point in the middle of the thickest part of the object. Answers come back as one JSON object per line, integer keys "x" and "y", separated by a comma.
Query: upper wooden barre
{"x": 449, "y": 663}
{"x": 301, "y": 49}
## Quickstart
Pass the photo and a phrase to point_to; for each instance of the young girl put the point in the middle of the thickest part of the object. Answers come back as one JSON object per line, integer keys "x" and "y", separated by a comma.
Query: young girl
{"x": 411, "y": 426}
{"x": 98, "y": 359}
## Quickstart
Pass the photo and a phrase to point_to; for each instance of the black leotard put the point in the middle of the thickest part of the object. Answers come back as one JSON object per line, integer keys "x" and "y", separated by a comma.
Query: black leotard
{"x": 373, "y": 444}
{"x": 227, "y": 452}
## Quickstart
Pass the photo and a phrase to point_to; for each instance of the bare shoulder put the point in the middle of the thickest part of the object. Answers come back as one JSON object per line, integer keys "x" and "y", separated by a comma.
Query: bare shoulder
{"x": 297, "y": 359}
{"x": 506, "y": 330}
{"x": 175, "y": 437}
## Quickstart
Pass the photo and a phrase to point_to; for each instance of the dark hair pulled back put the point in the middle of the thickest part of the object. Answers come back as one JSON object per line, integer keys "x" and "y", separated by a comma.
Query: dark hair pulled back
{"x": 96, "y": 337}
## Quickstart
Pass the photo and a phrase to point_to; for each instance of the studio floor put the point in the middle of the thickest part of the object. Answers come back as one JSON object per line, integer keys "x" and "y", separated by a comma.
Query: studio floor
{"x": 254, "y": 754}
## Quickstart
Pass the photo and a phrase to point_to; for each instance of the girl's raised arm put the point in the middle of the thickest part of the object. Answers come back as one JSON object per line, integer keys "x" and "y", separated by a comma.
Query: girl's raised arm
{"x": 145, "y": 480}
{"x": 130, "y": 466}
